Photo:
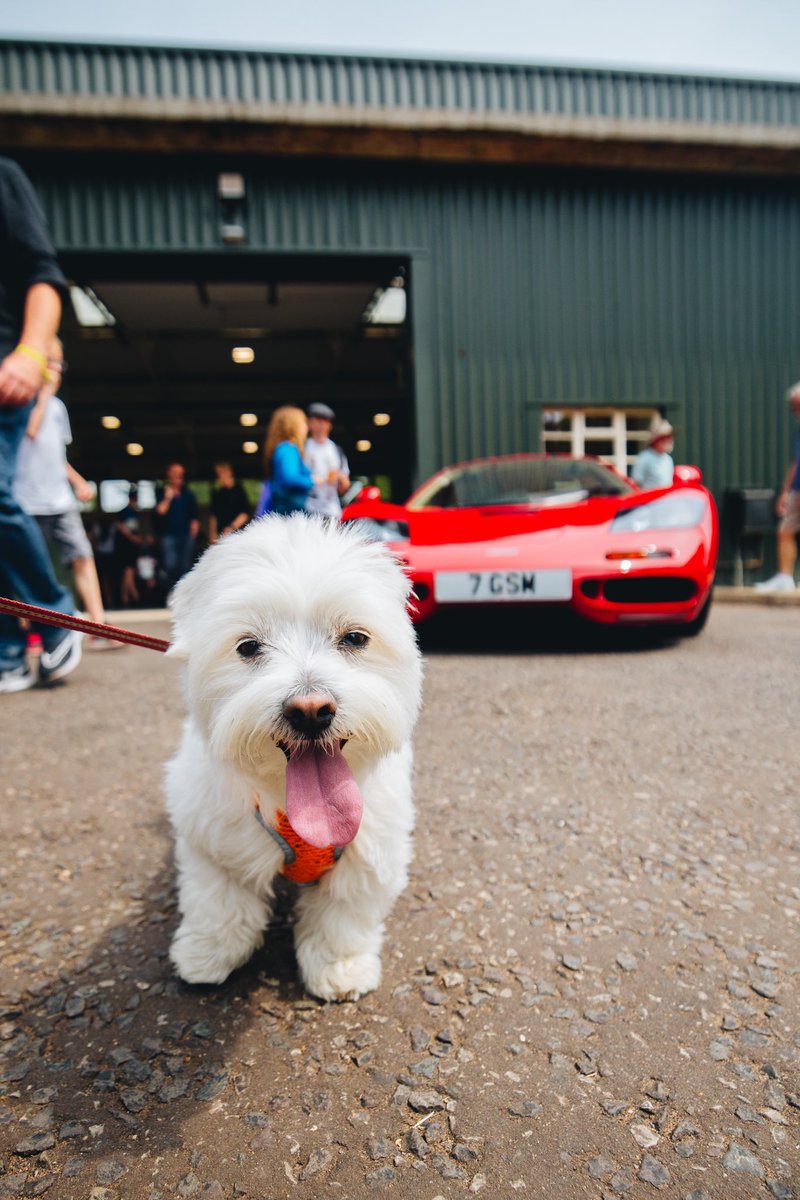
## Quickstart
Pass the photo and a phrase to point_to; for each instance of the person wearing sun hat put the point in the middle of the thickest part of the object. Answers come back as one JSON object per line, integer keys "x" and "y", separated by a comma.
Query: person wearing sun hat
{"x": 787, "y": 507}
{"x": 654, "y": 467}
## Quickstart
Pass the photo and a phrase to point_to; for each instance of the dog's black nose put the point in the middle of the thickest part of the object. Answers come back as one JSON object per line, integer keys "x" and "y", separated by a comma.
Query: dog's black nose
{"x": 310, "y": 715}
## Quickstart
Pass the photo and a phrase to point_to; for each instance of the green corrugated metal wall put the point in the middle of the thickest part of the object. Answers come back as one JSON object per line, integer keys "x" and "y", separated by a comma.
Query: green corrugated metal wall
{"x": 235, "y": 76}
{"x": 540, "y": 289}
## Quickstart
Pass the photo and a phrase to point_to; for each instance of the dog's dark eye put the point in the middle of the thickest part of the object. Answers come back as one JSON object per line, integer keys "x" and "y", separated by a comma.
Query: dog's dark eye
{"x": 354, "y": 640}
{"x": 248, "y": 648}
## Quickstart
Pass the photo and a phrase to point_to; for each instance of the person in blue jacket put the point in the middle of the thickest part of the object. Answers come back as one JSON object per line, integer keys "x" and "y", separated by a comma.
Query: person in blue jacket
{"x": 289, "y": 477}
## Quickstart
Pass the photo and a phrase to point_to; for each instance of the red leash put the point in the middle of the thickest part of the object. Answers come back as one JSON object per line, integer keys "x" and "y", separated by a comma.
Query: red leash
{"x": 31, "y": 612}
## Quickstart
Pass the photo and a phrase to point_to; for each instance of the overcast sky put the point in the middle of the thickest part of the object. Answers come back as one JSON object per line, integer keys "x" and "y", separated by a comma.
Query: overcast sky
{"x": 751, "y": 37}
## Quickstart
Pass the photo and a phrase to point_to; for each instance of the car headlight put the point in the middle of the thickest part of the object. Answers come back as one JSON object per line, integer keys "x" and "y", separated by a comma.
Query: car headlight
{"x": 678, "y": 511}
{"x": 379, "y": 530}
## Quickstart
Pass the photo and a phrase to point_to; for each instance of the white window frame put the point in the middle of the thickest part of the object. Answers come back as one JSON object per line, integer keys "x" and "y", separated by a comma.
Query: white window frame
{"x": 572, "y": 441}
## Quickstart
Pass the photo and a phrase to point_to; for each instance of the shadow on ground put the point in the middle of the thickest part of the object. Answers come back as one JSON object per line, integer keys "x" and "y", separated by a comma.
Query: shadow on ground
{"x": 494, "y": 631}
{"x": 111, "y": 1051}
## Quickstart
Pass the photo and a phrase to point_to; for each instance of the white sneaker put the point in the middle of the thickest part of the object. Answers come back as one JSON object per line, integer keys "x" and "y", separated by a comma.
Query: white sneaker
{"x": 16, "y": 679}
{"x": 778, "y": 583}
{"x": 56, "y": 664}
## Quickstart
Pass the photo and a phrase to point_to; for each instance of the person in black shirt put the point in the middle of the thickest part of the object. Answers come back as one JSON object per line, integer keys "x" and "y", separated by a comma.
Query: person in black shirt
{"x": 32, "y": 292}
{"x": 230, "y": 508}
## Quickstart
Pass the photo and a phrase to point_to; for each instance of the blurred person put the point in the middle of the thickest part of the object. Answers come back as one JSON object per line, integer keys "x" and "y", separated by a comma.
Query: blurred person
{"x": 103, "y": 536}
{"x": 230, "y": 508}
{"x": 264, "y": 502}
{"x": 326, "y": 462}
{"x": 654, "y": 467}
{"x": 48, "y": 487}
{"x": 130, "y": 543}
{"x": 32, "y": 292}
{"x": 787, "y": 506}
{"x": 290, "y": 479}
{"x": 179, "y": 524}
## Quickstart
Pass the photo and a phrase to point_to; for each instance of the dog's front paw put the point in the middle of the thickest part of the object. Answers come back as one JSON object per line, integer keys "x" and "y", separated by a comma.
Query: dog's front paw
{"x": 208, "y": 956}
{"x": 344, "y": 978}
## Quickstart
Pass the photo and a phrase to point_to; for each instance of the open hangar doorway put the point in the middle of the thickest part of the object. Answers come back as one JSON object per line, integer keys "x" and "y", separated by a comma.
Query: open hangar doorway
{"x": 186, "y": 355}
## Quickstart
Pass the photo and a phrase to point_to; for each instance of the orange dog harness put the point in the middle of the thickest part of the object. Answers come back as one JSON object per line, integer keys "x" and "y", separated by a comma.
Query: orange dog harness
{"x": 302, "y": 862}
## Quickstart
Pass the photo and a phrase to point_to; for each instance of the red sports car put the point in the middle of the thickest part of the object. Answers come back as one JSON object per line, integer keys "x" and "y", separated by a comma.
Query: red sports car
{"x": 535, "y": 529}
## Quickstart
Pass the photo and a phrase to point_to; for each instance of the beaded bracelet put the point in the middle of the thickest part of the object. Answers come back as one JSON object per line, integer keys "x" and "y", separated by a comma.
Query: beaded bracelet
{"x": 37, "y": 356}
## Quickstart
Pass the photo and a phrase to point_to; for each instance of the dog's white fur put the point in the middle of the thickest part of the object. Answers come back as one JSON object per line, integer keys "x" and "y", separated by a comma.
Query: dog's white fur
{"x": 296, "y": 586}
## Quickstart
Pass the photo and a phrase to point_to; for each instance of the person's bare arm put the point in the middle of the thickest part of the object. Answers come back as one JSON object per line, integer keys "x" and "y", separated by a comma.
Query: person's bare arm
{"x": 122, "y": 528}
{"x": 162, "y": 508}
{"x": 22, "y": 371}
{"x": 37, "y": 413}
{"x": 238, "y": 521}
{"x": 80, "y": 486}
{"x": 783, "y": 495}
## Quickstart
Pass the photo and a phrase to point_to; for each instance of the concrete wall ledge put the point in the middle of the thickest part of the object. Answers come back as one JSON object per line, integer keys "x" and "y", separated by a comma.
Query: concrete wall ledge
{"x": 748, "y": 595}
{"x": 722, "y": 595}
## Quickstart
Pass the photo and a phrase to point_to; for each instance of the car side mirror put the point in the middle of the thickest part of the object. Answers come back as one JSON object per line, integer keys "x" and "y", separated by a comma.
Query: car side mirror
{"x": 687, "y": 474}
{"x": 367, "y": 493}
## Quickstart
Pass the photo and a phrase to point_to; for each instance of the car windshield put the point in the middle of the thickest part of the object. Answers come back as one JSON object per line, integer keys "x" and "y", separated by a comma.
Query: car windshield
{"x": 538, "y": 481}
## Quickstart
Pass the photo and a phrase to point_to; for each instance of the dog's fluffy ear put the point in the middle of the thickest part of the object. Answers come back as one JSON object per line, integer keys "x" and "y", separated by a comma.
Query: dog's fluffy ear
{"x": 180, "y": 602}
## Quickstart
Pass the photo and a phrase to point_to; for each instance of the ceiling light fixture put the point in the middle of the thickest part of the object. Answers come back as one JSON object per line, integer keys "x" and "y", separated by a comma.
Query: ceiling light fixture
{"x": 243, "y": 354}
{"x": 248, "y": 419}
{"x": 110, "y": 422}
{"x": 381, "y": 419}
{"x": 363, "y": 445}
{"x": 250, "y": 447}
{"x": 135, "y": 449}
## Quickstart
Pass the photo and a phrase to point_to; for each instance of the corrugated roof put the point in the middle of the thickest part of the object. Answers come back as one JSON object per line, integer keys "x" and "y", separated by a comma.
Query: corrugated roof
{"x": 262, "y": 78}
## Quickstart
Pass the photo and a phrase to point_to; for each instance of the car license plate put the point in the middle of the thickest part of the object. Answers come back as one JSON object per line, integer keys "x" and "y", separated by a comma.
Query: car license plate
{"x": 481, "y": 587}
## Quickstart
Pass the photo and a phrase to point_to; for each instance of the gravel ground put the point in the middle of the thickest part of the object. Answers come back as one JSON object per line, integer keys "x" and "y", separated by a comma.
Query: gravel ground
{"x": 589, "y": 985}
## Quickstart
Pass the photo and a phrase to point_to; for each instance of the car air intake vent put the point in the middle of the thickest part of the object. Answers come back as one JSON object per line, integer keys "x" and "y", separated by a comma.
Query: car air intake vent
{"x": 655, "y": 589}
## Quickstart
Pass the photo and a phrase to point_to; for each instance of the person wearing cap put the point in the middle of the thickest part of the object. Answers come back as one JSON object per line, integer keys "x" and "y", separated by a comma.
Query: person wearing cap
{"x": 326, "y": 462}
{"x": 787, "y": 506}
{"x": 654, "y": 467}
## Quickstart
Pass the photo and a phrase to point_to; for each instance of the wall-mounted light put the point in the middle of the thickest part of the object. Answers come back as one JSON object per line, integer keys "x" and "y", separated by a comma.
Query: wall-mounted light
{"x": 231, "y": 189}
{"x": 110, "y": 422}
{"x": 363, "y": 445}
{"x": 243, "y": 354}
{"x": 134, "y": 449}
{"x": 248, "y": 419}
{"x": 89, "y": 309}
{"x": 250, "y": 447}
{"x": 381, "y": 419}
{"x": 387, "y": 306}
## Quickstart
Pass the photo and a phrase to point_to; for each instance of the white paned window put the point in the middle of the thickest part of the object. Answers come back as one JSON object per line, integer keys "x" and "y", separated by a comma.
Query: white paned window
{"x": 615, "y": 435}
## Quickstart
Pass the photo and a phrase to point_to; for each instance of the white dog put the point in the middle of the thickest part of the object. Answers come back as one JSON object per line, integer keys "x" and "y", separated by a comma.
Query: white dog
{"x": 302, "y": 679}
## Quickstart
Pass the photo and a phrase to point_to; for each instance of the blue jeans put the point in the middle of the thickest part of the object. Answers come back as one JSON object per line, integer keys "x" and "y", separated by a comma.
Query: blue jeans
{"x": 177, "y": 556}
{"x": 26, "y": 572}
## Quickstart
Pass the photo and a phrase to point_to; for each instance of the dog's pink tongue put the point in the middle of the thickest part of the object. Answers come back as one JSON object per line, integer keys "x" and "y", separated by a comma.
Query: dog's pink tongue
{"x": 323, "y": 803}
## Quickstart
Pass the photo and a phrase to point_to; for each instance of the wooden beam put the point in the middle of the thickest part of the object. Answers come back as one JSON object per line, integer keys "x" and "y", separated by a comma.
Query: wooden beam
{"x": 626, "y": 150}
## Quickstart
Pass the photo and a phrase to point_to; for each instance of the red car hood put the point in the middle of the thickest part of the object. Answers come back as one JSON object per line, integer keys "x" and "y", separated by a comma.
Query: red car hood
{"x": 501, "y": 541}
{"x": 443, "y": 526}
